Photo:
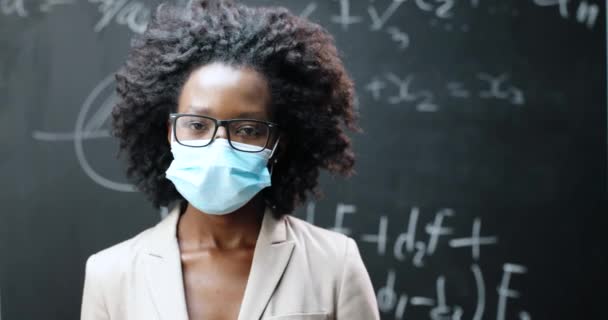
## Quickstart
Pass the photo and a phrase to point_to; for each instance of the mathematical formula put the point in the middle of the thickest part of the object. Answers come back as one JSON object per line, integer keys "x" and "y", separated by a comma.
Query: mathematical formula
{"x": 377, "y": 14}
{"x": 397, "y": 90}
{"x": 415, "y": 248}
{"x": 392, "y": 302}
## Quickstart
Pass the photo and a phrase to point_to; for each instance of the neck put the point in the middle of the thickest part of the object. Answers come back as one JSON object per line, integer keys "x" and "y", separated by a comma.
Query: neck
{"x": 239, "y": 229}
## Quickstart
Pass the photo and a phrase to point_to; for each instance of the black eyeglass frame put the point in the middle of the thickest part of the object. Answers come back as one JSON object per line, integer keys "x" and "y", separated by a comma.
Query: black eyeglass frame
{"x": 225, "y": 123}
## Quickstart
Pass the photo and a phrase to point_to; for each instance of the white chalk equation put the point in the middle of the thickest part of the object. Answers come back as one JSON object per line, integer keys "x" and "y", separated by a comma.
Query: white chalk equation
{"x": 394, "y": 89}
{"x": 380, "y": 14}
{"x": 412, "y": 246}
{"x": 398, "y": 303}
{"x": 133, "y": 14}
{"x": 17, "y": 7}
{"x": 99, "y": 102}
{"x": 583, "y": 12}
{"x": 13, "y": 8}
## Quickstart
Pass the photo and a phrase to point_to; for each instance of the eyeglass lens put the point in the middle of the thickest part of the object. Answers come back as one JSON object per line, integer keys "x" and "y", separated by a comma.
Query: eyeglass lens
{"x": 193, "y": 131}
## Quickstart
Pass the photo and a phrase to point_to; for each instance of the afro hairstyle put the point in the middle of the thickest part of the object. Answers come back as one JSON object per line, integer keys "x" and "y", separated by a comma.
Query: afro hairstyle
{"x": 312, "y": 96}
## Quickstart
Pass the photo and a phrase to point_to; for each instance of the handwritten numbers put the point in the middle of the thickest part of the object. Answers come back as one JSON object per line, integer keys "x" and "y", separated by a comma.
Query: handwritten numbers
{"x": 379, "y": 238}
{"x": 375, "y": 87}
{"x": 132, "y": 14}
{"x": 497, "y": 89}
{"x": 457, "y": 90}
{"x": 378, "y": 21}
{"x": 481, "y": 292}
{"x": 504, "y": 291}
{"x": 424, "y": 98}
{"x": 310, "y": 8}
{"x": 345, "y": 19}
{"x": 475, "y": 241}
{"x": 386, "y": 296}
{"x": 401, "y": 38}
{"x": 390, "y": 299}
{"x": 9, "y": 7}
{"x": 586, "y": 13}
{"x": 341, "y": 211}
{"x": 396, "y": 90}
{"x": 442, "y": 311}
{"x": 436, "y": 229}
{"x": 407, "y": 239}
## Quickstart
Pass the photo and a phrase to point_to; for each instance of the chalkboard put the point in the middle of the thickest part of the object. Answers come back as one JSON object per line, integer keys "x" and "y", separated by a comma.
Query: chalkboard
{"x": 481, "y": 179}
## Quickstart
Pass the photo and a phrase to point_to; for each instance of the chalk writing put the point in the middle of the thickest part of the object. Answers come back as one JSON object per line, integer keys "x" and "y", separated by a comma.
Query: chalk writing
{"x": 475, "y": 241}
{"x": 401, "y": 91}
{"x": 379, "y": 20}
{"x": 401, "y": 38}
{"x": 341, "y": 211}
{"x": 345, "y": 19}
{"x": 408, "y": 244}
{"x": 586, "y": 13}
{"x": 391, "y": 301}
{"x": 504, "y": 291}
{"x": 13, "y": 7}
{"x": 48, "y": 5}
{"x": 102, "y": 99}
{"x": 17, "y": 7}
{"x": 308, "y": 10}
{"x": 497, "y": 90}
{"x": 380, "y": 14}
{"x": 133, "y": 14}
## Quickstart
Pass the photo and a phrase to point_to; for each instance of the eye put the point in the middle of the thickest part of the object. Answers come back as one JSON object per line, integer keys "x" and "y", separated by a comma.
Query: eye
{"x": 194, "y": 125}
{"x": 248, "y": 130}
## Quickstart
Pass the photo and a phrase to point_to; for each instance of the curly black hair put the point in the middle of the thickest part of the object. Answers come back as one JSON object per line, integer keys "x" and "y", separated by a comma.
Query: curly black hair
{"x": 312, "y": 95}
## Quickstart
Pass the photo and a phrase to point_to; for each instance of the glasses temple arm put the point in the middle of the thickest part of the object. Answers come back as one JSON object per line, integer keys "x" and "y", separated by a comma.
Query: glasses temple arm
{"x": 274, "y": 147}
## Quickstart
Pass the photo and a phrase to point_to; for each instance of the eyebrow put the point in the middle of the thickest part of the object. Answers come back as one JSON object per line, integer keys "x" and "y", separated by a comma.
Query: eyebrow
{"x": 203, "y": 110}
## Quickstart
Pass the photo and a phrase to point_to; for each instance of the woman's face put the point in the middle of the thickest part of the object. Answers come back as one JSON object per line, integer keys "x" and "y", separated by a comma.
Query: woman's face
{"x": 224, "y": 92}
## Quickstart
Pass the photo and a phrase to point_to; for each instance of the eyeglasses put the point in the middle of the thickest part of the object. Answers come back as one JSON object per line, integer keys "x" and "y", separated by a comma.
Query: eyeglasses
{"x": 199, "y": 131}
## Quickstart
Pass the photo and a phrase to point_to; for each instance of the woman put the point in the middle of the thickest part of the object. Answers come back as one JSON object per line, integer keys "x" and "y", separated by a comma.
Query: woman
{"x": 229, "y": 112}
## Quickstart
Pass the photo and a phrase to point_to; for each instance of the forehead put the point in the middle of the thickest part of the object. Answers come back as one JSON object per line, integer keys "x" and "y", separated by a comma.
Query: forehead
{"x": 224, "y": 91}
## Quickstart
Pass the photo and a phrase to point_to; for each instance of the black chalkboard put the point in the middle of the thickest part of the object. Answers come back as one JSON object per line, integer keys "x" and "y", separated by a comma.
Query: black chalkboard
{"x": 481, "y": 177}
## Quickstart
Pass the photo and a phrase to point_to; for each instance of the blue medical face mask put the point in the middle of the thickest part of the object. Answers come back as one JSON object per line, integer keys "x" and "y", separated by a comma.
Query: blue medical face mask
{"x": 217, "y": 179}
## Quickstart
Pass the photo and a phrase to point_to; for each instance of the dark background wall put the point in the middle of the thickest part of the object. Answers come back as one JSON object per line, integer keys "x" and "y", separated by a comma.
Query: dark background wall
{"x": 481, "y": 185}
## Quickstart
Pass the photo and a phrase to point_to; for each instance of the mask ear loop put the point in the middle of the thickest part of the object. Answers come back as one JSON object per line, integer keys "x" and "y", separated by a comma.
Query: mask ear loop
{"x": 272, "y": 153}
{"x": 274, "y": 161}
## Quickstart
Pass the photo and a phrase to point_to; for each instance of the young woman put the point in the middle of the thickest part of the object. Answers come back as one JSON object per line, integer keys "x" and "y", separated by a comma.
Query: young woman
{"x": 228, "y": 113}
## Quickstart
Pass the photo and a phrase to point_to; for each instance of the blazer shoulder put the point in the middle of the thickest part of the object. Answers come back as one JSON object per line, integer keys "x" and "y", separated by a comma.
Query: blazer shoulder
{"x": 328, "y": 243}
{"x": 116, "y": 258}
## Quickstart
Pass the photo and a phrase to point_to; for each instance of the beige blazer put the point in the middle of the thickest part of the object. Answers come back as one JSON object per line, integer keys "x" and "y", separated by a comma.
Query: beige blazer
{"x": 299, "y": 272}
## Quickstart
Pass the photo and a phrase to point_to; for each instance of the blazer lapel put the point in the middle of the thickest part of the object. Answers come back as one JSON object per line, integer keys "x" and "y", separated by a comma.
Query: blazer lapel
{"x": 163, "y": 271}
{"x": 271, "y": 255}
